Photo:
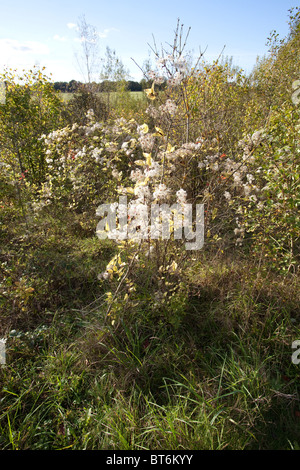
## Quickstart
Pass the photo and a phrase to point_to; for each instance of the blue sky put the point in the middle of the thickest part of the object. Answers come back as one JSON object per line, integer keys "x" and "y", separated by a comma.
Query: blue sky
{"x": 43, "y": 32}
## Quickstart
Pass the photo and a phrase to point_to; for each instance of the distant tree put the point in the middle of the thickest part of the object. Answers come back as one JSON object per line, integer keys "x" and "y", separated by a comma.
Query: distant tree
{"x": 88, "y": 60}
{"x": 84, "y": 100}
{"x": 112, "y": 67}
{"x": 61, "y": 86}
{"x": 107, "y": 86}
{"x": 73, "y": 86}
{"x": 145, "y": 83}
{"x": 134, "y": 86}
{"x": 113, "y": 70}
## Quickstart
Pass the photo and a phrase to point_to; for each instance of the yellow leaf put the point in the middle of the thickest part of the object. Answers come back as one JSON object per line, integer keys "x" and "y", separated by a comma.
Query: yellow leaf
{"x": 144, "y": 128}
{"x": 170, "y": 149}
{"x": 150, "y": 92}
{"x": 130, "y": 190}
{"x": 159, "y": 132}
{"x": 214, "y": 213}
{"x": 29, "y": 290}
{"x": 148, "y": 159}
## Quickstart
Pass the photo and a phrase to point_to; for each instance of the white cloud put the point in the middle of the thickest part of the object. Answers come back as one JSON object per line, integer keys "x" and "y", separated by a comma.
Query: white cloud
{"x": 22, "y": 54}
{"x": 71, "y": 25}
{"x": 105, "y": 32}
{"x": 101, "y": 34}
{"x": 13, "y": 47}
{"x": 59, "y": 38}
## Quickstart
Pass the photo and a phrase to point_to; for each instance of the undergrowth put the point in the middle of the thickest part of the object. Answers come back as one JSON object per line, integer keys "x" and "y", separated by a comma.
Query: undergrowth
{"x": 222, "y": 379}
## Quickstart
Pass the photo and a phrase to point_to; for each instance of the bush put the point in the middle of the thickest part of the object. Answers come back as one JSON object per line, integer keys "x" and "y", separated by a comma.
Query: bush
{"x": 84, "y": 100}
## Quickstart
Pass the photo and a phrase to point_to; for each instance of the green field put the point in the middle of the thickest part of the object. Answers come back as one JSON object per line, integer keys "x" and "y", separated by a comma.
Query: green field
{"x": 112, "y": 95}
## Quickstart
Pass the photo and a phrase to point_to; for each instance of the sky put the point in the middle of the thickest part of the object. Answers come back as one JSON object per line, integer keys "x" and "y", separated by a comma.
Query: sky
{"x": 44, "y": 32}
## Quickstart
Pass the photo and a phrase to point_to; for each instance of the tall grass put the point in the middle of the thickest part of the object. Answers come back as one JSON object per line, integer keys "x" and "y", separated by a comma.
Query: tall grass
{"x": 223, "y": 379}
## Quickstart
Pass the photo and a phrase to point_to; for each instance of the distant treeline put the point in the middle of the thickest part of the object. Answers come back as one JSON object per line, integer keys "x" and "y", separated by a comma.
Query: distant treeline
{"x": 106, "y": 85}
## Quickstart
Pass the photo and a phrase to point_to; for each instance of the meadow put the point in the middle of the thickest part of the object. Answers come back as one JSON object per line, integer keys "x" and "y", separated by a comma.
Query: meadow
{"x": 134, "y": 94}
{"x": 141, "y": 344}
